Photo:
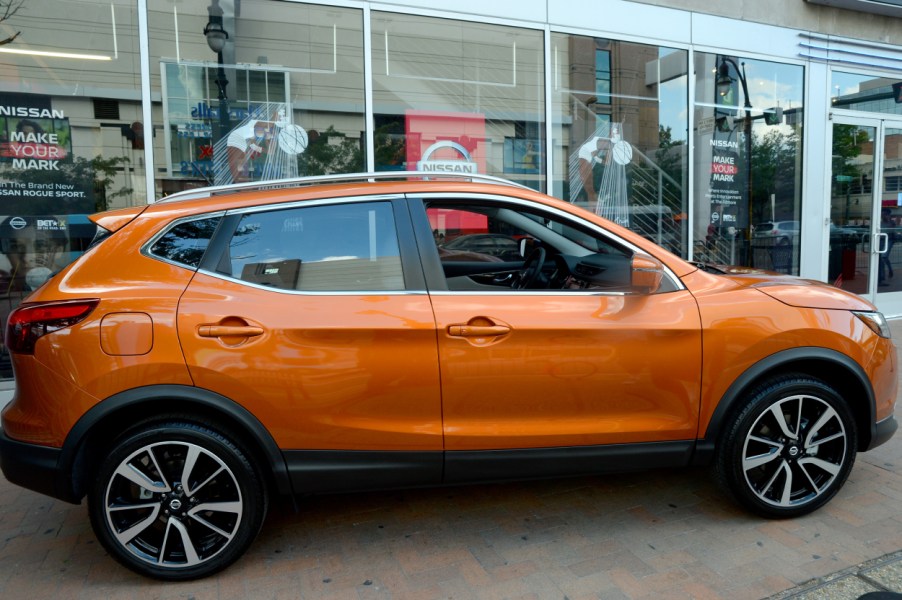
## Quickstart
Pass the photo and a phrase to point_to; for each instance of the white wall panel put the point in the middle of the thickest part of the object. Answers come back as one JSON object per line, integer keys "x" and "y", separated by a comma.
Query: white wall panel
{"x": 515, "y": 10}
{"x": 620, "y": 18}
{"x": 744, "y": 37}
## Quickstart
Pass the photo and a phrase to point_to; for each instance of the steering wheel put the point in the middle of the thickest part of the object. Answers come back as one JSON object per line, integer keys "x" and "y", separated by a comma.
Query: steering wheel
{"x": 532, "y": 266}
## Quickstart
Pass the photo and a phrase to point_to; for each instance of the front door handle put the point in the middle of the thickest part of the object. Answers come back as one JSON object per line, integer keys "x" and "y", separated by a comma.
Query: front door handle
{"x": 215, "y": 331}
{"x": 478, "y": 330}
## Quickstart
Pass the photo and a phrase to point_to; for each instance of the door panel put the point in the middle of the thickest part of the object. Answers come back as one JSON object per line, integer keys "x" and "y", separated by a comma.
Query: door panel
{"x": 568, "y": 369}
{"x": 320, "y": 371}
{"x": 309, "y": 325}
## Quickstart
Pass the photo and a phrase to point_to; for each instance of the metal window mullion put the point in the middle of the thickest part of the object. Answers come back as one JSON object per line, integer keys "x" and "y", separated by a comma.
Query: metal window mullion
{"x": 549, "y": 128}
{"x": 146, "y": 107}
{"x": 369, "y": 117}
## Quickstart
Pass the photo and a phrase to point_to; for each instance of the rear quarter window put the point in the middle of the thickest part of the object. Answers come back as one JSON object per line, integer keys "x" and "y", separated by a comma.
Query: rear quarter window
{"x": 186, "y": 242}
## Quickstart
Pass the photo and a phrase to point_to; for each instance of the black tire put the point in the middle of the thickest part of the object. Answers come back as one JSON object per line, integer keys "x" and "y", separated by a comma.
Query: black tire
{"x": 766, "y": 456}
{"x": 176, "y": 501}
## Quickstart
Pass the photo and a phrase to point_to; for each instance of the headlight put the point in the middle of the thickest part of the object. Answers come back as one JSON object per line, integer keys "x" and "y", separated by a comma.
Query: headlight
{"x": 876, "y": 321}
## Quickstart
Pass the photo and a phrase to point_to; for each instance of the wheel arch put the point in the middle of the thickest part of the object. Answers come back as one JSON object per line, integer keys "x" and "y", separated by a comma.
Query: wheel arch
{"x": 101, "y": 425}
{"x": 837, "y": 370}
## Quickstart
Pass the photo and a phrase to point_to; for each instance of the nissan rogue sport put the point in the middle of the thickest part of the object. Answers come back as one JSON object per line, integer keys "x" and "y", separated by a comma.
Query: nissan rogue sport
{"x": 304, "y": 336}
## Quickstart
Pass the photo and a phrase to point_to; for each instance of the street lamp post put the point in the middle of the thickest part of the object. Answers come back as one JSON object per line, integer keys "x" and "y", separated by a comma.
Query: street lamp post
{"x": 217, "y": 37}
{"x": 724, "y": 83}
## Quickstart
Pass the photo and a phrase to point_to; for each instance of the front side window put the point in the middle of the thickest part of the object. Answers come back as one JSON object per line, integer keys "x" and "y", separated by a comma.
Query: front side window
{"x": 340, "y": 247}
{"x": 497, "y": 247}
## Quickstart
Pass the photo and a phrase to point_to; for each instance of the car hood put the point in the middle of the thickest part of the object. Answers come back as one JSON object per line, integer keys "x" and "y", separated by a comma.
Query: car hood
{"x": 794, "y": 291}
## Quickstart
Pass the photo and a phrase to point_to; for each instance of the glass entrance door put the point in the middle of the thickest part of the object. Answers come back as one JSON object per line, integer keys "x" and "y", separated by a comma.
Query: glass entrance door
{"x": 866, "y": 210}
{"x": 889, "y": 226}
{"x": 851, "y": 262}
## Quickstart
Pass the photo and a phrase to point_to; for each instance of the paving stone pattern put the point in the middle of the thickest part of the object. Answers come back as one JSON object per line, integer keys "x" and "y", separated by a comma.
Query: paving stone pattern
{"x": 658, "y": 534}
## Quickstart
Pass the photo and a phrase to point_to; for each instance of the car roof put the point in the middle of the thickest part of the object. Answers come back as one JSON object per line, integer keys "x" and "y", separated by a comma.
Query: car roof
{"x": 343, "y": 178}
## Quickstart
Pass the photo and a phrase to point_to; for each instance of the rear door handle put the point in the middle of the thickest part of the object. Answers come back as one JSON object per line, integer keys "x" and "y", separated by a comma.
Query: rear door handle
{"x": 215, "y": 331}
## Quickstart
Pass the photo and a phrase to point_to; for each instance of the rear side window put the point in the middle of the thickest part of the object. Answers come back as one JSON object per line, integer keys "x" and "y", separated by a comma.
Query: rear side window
{"x": 337, "y": 247}
{"x": 186, "y": 242}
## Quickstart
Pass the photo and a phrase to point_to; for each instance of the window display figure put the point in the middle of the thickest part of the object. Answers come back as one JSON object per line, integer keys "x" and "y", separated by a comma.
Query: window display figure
{"x": 611, "y": 193}
{"x": 259, "y": 149}
{"x": 34, "y": 249}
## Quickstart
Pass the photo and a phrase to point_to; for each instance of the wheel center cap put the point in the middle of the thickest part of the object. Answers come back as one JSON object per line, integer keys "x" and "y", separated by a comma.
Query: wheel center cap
{"x": 175, "y": 504}
{"x": 793, "y": 451}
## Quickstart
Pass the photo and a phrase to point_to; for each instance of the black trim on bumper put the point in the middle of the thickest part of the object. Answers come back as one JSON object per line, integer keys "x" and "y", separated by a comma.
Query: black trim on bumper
{"x": 35, "y": 468}
{"x": 884, "y": 431}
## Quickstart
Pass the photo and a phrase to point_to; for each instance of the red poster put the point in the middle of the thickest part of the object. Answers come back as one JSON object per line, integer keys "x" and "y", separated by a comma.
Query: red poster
{"x": 445, "y": 142}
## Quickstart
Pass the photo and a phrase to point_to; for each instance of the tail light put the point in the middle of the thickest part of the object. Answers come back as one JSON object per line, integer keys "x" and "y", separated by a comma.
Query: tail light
{"x": 28, "y": 323}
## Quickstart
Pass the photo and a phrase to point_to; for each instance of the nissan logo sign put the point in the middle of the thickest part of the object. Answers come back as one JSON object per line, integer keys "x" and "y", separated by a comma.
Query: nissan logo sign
{"x": 447, "y": 166}
{"x": 18, "y": 223}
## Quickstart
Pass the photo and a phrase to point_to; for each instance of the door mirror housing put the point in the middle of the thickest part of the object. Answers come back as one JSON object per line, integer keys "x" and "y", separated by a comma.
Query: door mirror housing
{"x": 646, "y": 274}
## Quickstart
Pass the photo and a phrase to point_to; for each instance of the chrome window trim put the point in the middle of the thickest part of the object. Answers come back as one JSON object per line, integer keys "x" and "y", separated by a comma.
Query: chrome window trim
{"x": 555, "y": 293}
{"x": 145, "y": 249}
{"x": 676, "y": 281}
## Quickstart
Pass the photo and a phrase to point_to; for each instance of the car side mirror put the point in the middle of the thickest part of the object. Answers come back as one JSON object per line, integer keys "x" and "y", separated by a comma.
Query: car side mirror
{"x": 646, "y": 274}
{"x": 524, "y": 247}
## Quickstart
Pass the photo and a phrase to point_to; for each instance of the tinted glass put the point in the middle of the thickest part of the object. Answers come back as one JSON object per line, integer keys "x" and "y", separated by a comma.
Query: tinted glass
{"x": 343, "y": 247}
{"x": 187, "y": 242}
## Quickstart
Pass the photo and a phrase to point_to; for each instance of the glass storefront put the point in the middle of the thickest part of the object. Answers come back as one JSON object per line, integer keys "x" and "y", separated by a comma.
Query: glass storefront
{"x": 748, "y": 155}
{"x": 255, "y": 90}
{"x": 265, "y": 89}
{"x": 71, "y": 136}
{"x": 459, "y": 96}
{"x": 620, "y": 133}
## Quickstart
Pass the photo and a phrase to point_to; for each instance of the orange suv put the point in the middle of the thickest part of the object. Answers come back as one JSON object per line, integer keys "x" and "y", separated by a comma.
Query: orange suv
{"x": 295, "y": 337}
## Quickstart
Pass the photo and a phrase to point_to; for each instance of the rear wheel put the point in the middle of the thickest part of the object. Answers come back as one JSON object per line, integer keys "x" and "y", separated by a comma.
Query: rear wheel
{"x": 790, "y": 449}
{"x": 176, "y": 501}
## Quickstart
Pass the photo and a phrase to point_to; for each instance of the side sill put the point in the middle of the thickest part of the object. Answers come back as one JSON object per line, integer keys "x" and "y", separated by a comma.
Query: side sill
{"x": 541, "y": 463}
{"x": 315, "y": 471}
{"x": 324, "y": 471}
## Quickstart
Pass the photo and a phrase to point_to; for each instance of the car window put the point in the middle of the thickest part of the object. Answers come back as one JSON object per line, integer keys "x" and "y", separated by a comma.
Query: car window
{"x": 186, "y": 242}
{"x": 573, "y": 257}
{"x": 338, "y": 247}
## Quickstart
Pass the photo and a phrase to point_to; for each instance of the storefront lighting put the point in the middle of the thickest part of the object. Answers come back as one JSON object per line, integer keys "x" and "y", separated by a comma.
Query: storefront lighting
{"x": 217, "y": 37}
{"x": 55, "y": 54}
{"x": 214, "y": 31}
{"x": 725, "y": 81}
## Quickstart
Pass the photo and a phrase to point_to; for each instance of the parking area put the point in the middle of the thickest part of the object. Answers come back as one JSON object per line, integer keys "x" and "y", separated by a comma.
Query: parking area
{"x": 657, "y": 534}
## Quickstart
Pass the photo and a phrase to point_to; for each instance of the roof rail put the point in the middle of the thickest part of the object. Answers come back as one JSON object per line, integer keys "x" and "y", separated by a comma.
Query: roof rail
{"x": 206, "y": 192}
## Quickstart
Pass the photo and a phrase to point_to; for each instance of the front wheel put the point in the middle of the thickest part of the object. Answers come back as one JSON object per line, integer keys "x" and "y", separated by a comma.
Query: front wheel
{"x": 176, "y": 501}
{"x": 790, "y": 449}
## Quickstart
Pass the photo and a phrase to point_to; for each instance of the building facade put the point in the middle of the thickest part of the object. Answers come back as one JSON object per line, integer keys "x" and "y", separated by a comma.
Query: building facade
{"x": 758, "y": 133}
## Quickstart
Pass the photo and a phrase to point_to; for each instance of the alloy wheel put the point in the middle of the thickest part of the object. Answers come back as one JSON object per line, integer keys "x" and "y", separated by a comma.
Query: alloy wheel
{"x": 173, "y": 504}
{"x": 794, "y": 451}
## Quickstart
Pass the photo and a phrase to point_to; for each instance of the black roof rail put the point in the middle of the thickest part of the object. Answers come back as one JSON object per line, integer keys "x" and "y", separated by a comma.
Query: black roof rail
{"x": 206, "y": 192}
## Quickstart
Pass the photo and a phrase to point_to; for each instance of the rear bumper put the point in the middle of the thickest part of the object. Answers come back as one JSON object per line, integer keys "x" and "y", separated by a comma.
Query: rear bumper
{"x": 35, "y": 468}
